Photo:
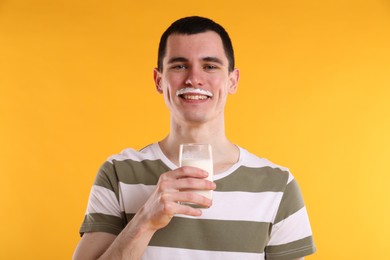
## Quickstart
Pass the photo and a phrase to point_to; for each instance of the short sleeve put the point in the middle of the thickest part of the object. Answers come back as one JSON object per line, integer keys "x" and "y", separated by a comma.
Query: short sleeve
{"x": 103, "y": 212}
{"x": 291, "y": 234}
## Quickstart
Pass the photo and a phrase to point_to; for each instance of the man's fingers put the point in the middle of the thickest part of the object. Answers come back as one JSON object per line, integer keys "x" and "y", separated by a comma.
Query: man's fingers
{"x": 188, "y": 171}
{"x": 185, "y": 178}
{"x": 195, "y": 184}
{"x": 174, "y": 202}
{"x": 193, "y": 197}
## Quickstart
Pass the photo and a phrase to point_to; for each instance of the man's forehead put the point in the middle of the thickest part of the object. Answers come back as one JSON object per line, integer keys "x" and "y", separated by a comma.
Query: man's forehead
{"x": 206, "y": 44}
{"x": 206, "y": 37}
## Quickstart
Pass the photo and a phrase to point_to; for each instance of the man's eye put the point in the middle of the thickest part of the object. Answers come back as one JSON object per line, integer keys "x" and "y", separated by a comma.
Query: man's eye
{"x": 210, "y": 67}
{"x": 179, "y": 67}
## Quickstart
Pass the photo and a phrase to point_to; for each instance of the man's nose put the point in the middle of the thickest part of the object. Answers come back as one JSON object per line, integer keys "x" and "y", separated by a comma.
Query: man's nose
{"x": 194, "y": 77}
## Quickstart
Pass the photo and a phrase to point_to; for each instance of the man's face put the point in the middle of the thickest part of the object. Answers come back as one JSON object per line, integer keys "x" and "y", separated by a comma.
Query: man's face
{"x": 195, "y": 79}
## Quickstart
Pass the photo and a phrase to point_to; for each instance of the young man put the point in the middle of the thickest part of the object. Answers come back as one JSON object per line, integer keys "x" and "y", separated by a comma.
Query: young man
{"x": 134, "y": 209}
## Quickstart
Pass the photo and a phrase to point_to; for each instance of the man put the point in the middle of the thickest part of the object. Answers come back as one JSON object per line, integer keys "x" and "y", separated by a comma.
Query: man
{"x": 135, "y": 210}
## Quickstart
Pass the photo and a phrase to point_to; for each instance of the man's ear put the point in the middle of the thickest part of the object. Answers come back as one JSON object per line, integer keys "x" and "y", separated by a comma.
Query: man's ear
{"x": 157, "y": 80}
{"x": 234, "y": 77}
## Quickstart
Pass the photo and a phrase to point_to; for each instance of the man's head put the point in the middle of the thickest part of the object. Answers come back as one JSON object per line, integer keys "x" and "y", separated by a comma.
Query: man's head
{"x": 193, "y": 25}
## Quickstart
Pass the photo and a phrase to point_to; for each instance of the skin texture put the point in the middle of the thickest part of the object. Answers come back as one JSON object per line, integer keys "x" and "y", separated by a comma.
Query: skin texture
{"x": 195, "y": 61}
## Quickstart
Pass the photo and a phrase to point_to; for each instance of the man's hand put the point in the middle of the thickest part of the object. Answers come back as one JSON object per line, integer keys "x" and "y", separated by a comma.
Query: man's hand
{"x": 172, "y": 188}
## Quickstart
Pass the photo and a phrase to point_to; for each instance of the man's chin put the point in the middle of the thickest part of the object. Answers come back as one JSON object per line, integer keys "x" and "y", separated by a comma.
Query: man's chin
{"x": 195, "y": 119}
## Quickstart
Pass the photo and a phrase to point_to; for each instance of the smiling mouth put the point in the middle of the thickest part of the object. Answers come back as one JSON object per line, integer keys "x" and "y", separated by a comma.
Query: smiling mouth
{"x": 194, "y": 94}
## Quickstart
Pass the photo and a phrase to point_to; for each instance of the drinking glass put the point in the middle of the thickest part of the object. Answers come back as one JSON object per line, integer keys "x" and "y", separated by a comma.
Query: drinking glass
{"x": 200, "y": 156}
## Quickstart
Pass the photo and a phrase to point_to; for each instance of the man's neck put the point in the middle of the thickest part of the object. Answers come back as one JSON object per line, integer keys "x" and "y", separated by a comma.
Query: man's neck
{"x": 225, "y": 153}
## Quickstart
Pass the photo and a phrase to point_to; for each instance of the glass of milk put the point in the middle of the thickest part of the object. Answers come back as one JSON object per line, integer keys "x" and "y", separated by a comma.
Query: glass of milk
{"x": 200, "y": 156}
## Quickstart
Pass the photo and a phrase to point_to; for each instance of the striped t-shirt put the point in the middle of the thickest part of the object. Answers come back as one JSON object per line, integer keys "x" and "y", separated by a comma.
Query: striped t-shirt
{"x": 257, "y": 210}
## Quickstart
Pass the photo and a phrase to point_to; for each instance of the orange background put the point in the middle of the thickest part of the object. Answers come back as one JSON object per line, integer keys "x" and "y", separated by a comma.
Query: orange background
{"x": 76, "y": 86}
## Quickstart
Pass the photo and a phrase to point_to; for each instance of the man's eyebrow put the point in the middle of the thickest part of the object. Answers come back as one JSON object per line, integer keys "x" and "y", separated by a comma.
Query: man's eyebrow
{"x": 213, "y": 59}
{"x": 177, "y": 59}
{"x": 208, "y": 59}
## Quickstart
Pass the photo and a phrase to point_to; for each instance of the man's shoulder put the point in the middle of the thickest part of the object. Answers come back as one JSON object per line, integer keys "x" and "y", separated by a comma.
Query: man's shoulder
{"x": 251, "y": 160}
{"x": 134, "y": 166}
{"x": 146, "y": 153}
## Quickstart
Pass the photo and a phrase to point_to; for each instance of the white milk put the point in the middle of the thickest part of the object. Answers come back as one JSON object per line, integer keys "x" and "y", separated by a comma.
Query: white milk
{"x": 204, "y": 164}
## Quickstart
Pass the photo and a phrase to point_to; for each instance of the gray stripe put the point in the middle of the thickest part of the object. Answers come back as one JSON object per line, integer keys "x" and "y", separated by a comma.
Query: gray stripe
{"x": 291, "y": 250}
{"x": 130, "y": 172}
{"x": 254, "y": 180}
{"x": 106, "y": 177}
{"x": 97, "y": 222}
{"x": 291, "y": 201}
{"x": 213, "y": 235}
{"x": 145, "y": 172}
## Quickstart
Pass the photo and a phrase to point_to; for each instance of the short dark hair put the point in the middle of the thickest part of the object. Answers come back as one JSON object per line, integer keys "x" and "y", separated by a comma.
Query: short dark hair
{"x": 193, "y": 25}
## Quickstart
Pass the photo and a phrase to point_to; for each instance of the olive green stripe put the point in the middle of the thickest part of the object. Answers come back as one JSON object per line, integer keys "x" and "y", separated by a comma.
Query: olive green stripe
{"x": 107, "y": 178}
{"x": 147, "y": 172}
{"x": 200, "y": 234}
{"x": 291, "y": 250}
{"x": 291, "y": 201}
{"x": 254, "y": 180}
{"x": 104, "y": 174}
{"x": 133, "y": 172}
{"x": 130, "y": 216}
{"x": 97, "y": 222}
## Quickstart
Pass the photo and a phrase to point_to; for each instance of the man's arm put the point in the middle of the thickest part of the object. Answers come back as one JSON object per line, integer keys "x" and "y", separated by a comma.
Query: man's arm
{"x": 157, "y": 212}
{"x": 129, "y": 244}
{"x": 93, "y": 245}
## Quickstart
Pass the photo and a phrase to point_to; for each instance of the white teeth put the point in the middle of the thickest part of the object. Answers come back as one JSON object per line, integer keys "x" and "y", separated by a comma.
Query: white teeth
{"x": 194, "y": 97}
{"x": 202, "y": 92}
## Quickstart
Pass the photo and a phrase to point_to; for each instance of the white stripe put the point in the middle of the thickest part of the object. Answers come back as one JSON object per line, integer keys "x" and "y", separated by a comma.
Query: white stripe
{"x": 254, "y": 161}
{"x": 243, "y": 206}
{"x": 135, "y": 195}
{"x": 293, "y": 228}
{"x": 102, "y": 200}
{"x": 166, "y": 253}
{"x": 290, "y": 178}
{"x": 129, "y": 153}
